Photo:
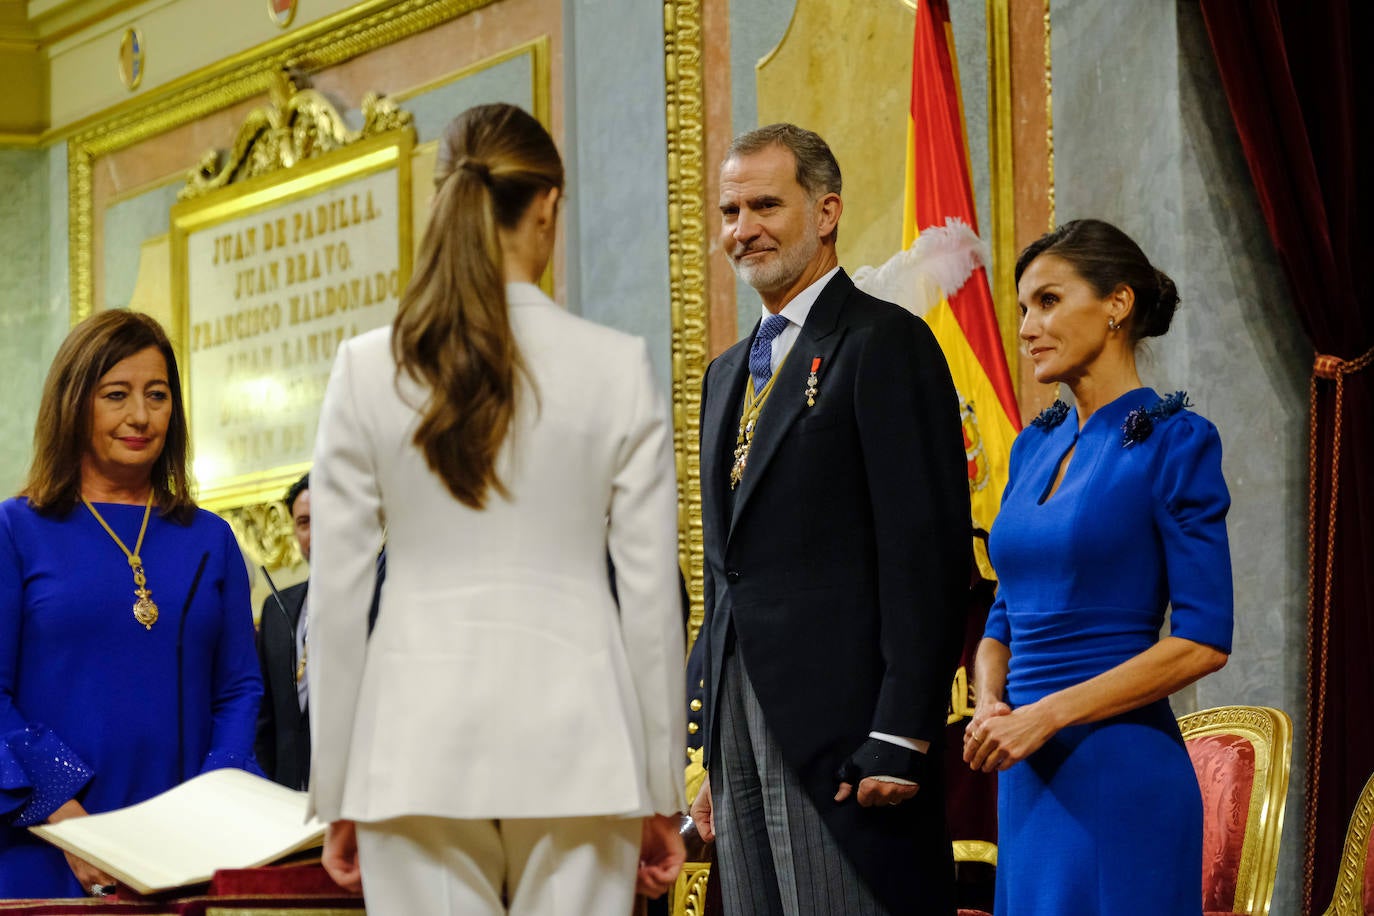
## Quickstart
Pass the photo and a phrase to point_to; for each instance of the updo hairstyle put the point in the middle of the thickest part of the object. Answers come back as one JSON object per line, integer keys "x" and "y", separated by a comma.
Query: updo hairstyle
{"x": 1108, "y": 258}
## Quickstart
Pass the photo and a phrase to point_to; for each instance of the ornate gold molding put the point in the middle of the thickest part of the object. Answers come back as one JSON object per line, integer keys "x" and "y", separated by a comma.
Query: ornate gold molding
{"x": 325, "y": 44}
{"x": 687, "y": 248}
{"x": 265, "y": 531}
{"x": 1049, "y": 118}
{"x": 975, "y": 851}
{"x": 1347, "y": 900}
{"x": 300, "y": 124}
{"x": 689, "y": 893}
{"x": 1001, "y": 180}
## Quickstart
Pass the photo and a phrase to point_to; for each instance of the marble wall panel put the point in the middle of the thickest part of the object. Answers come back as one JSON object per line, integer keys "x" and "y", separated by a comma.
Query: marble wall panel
{"x": 58, "y": 288}
{"x": 127, "y": 224}
{"x": 1143, "y": 137}
{"x": 25, "y": 312}
{"x": 509, "y": 81}
{"x": 617, "y": 155}
{"x": 1116, "y": 121}
{"x": 1252, "y": 358}
{"x": 969, "y": 19}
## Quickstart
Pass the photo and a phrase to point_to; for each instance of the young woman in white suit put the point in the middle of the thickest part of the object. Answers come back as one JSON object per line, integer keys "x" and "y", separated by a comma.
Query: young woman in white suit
{"x": 510, "y": 740}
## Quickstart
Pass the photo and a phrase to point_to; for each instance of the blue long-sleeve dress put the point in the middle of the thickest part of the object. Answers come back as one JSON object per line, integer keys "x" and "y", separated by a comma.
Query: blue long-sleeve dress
{"x": 1107, "y": 817}
{"x": 88, "y": 697}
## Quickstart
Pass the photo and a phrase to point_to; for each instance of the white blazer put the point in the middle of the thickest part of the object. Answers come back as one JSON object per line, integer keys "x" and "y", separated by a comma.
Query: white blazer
{"x": 501, "y": 681}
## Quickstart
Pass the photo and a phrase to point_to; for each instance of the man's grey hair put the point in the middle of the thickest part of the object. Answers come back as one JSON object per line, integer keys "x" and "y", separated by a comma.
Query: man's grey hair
{"x": 817, "y": 171}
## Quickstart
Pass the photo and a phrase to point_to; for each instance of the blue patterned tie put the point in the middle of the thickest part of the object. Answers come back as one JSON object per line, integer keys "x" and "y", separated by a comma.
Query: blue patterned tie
{"x": 761, "y": 353}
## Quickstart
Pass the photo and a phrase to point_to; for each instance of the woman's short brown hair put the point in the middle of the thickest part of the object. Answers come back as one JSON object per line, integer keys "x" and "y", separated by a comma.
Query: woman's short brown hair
{"x": 62, "y": 434}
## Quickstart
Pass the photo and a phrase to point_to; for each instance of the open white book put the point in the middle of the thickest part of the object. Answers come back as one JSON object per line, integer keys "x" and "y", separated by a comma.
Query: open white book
{"x": 220, "y": 819}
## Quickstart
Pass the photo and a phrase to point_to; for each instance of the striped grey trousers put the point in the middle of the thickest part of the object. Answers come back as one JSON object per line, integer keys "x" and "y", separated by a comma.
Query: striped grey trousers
{"x": 776, "y": 856}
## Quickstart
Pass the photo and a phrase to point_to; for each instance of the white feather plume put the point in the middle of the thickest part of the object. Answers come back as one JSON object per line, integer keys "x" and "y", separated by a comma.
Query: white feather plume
{"x": 937, "y": 265}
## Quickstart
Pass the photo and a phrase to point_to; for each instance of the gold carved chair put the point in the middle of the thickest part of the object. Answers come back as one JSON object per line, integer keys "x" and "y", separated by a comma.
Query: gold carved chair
{"x": 1354, "y": 894}
{"x": 1242, "y": 756}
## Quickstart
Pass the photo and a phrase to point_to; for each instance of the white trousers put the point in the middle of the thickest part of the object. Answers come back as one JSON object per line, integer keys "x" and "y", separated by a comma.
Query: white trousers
{"x": 434, "y": 866}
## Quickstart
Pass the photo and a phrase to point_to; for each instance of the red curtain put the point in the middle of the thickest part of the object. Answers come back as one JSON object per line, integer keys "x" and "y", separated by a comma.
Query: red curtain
{"x": 1291, "y": 75}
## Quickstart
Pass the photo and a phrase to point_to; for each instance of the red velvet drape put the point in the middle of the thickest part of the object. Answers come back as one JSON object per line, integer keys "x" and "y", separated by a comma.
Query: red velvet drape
{"x": 1291, "y": 72}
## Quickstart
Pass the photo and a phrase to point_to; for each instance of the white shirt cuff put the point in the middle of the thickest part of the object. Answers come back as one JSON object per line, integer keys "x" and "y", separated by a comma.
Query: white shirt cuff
{"x": 913, "y": 744}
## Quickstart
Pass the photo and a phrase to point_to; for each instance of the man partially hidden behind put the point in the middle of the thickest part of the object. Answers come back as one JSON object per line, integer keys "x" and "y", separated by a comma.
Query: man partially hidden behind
{"x": 836, "y": 519}
{"x": 283, "y": 740}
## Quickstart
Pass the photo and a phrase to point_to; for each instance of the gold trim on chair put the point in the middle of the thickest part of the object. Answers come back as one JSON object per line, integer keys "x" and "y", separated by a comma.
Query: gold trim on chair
{"x": 1270, "y": 733}
{"x": 1347, "y": 898}
{"x": 689, "y": 893}
{"x": 975, "y": 851}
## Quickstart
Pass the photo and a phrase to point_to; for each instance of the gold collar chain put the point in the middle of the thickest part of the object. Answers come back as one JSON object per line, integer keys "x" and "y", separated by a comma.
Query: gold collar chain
{"x": 749, "y": 417}
{"x": 145, "y": 611}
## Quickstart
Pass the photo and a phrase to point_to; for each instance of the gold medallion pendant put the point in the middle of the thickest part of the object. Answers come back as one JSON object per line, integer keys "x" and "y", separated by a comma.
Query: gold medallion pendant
{"x": 145, "y": 611}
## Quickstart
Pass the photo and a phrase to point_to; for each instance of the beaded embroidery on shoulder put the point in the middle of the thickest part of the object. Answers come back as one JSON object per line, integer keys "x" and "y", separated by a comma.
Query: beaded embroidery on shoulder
{"x": 1051, "y": 416}
{"x": 1141, "y": 421}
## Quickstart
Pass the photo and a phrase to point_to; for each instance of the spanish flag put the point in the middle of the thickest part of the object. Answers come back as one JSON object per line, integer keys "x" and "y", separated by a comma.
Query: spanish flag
{"x": 941, "y": 221}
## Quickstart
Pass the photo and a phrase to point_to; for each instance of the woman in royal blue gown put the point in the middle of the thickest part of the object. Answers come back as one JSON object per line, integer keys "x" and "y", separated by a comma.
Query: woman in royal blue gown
{"x": 108, "y": 695}
{"x": 1115, "y": 511}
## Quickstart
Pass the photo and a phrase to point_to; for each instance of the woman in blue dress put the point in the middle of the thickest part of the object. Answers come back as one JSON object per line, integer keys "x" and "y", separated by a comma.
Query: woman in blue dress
{"x": 1115, "y": 510}
{"x": 126, "y": 634}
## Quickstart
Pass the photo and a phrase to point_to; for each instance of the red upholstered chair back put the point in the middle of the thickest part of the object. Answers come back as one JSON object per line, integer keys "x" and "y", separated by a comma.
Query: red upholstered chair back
{"x": 1242, "y": 756}
{"x": 1368, "y": 896}
{"x": 1354, "y": 894}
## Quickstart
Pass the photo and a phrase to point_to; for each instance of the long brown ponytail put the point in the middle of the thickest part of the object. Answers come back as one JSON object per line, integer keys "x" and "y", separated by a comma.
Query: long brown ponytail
{"x": 452, "y": 331}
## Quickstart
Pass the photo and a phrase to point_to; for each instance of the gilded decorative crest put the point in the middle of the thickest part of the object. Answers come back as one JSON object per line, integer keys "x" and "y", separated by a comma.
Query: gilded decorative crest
{"x": 266, "y": 533}
{"x": 299, "y": 124}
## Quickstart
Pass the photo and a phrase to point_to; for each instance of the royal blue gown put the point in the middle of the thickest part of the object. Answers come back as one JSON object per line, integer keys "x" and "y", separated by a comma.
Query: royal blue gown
{"x": 88, "y": 697}
{"x": 1107, "y": 817}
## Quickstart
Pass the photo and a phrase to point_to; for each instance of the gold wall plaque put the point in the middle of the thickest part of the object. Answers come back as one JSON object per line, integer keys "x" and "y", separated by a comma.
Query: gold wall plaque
{"x": 298, "y": 240}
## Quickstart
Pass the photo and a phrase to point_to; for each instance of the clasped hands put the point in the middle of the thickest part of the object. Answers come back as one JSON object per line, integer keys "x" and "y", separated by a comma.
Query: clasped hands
{"x": 998, "y": 736}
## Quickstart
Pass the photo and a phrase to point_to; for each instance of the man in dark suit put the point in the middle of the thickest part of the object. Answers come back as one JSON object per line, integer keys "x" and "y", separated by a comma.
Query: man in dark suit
{"x": 283, "y": 737}
{"x": 836, "y": 516}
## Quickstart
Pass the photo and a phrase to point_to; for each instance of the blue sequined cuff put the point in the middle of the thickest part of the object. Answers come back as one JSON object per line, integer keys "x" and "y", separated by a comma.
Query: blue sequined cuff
{"x": 39, "y": 774}
{"x": 226, "y": 760}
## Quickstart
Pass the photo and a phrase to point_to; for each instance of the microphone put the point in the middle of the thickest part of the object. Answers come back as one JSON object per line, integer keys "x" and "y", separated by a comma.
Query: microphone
{"x": 285, "y": 616}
